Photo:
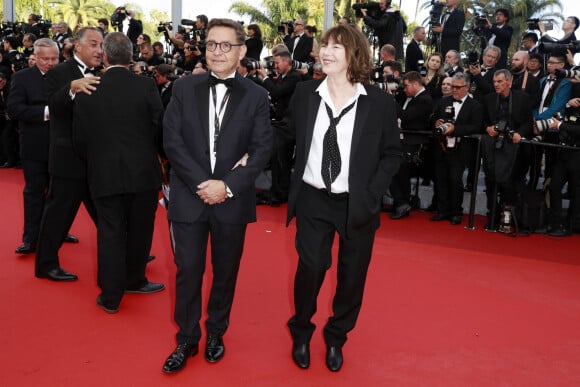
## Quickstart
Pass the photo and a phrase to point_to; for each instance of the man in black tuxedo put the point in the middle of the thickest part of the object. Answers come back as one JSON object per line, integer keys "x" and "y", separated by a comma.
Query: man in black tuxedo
{"x": 414, "y": 53}
{"x": 280, "y": 89}
{"x": 68, "y": 182}
{"x": 414, "y": 114}
{"x": 455, "y": 116}
{"x": 28, "y": 104}
{"x": 499, "y": 34}
{"x": 164, "y": 79}
{"x": 507, "y": 119}
{"x": 299, "y": 43}
{"x": 213, "y": 123}
{"x": 387, "y": 25}
{"x": 135, "y": 27}
{"x": 117, "y": 130}
{"x": 569, "y": 27}
{"x": 452, "y": 22}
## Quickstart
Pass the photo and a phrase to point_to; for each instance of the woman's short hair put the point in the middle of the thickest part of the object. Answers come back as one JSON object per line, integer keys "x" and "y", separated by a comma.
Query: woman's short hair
{"x": 356, "y": 48}
{"x": 256, "y": 29}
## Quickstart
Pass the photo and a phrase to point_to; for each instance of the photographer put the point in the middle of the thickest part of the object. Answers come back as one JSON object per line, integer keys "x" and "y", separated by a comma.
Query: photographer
{"x": 103, "y": 25}
{"x": 254, "y": 42}
{"x": 523, "y": 79}
{"x": 33, "y": 26}
{"x": 387, "y": 53}
{"x": 280, "y": 88}
{"x": 299, "y": 44}
{"x": 569, "y": 27}
{"x": 192, "y": 55}
{"x": 507, "y": 119}
{"x": 392, "y": 71}
{"x": 455, "y": 116}
{"x": 413, "y": 53}
{"x": 530, "y": 42}
{"x": 135, "y": 27}
{"x": 177, "y": 39}
{"x": 482, "y": 75}
{"x": 201, "y": 27}
{"x": 452, "y": 23}
{"x": 28, "y": 44}
{"x": 566, "y": 168}
{"x": 499, "y": 34}
{"x": 387, "y": 24}
{"x": 147, "y": 54}
{"x": 414, "y": 115}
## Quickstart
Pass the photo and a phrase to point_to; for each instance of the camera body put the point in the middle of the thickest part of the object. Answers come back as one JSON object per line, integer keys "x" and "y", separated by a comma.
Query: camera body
{"x": 119, "y": 14}
{"x": 533, "y": 24}
{"x": 559, "y": 48}
{"x": 373, "y": 9}
{"x": 435, "y": 13}
{"x": 282, "y": 27}
{"x": 505, "y": 132}
{"x": 480, "y": 21}
{"x": 162, "y": 25}
{"x": 448, "y": 118}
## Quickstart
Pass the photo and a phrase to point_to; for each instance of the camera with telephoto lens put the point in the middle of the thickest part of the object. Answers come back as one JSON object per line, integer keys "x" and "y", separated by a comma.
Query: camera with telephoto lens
{"x": 162, "y": 25}
{"x": 533, "y": 24}
{"x": 297, "y": 65}
{"x": 8, "y": 28}
{"x": 559, "y": 48}
{"x": 282, "y": 27}
{"x": 448, "y": 118}
{"x": 119, "y": 14}
{"x": 563, "y": 73}
{"x": 504, "y": 133}
{"x": 373, "y": 9}
{"x": 436, "y": 12}
{"x": 267, "y": 64}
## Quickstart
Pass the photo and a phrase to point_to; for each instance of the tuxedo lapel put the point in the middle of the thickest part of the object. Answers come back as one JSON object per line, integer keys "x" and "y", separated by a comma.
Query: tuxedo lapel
{"x": 363, "y": 111}
{"x": 235, "y": 99}
{"x": 202, "y": 106}
{"x": 313, "y": 106}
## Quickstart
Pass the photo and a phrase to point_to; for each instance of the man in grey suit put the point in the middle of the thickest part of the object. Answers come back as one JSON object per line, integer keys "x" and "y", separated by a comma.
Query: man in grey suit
{"x": 211, "y": 122}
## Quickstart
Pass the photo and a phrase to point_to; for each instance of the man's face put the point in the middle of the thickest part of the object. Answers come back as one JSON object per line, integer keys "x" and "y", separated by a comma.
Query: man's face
{"x": 137, "y": 69}
{"x": 46, "y": 58}
{"x": 199, "y": 24}
{"x": 61, "y": 29}
{"x": 451, "y": 59}
{"x": 2, "y": 83}
{"x": 31, "y": 60}
{"x": 568, "y": 24}
{"x": 501, "y": 84}
{"x": 490, "y": 58}
{"x": 103, "y": 26}
{"x": 220, "y": 62}
{"x": 500, "y": 18}
{"x": 298, "y": 26}
{"x": 411, "y": 88}
{"x": 160, "y": 79}
{"x": 26, "y": 42}
{"x": 158, "y": 50}
{"x": 89, "y": 49}
{"x": 459, "y": 88}
{"x": 518, "y": 62}
{"x": 534, "y": 65}
{"x": 281, "y": 65}
{"x": 446, "y": 86}
{"x": 146, "y": 52}
{"x": 420, "y": 35}
{"x": 527, "y": 44}
{"x": 383, "y": 5}
{"x": 451, "y": 3}
{"x": 553, "y": 64}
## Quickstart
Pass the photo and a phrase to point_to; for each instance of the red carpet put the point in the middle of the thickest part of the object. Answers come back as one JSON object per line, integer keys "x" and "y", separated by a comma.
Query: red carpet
{"x": 443, "y": 307}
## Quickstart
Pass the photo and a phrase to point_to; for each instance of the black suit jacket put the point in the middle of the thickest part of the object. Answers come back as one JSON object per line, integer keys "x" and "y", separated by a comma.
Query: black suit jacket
{"x": 452, "y": 30}
{"x": 303, "y": 48}
{"x": 482, "y": 85}
{"x": 63, "y": 160}
{"x": 254, "y": 46}
{"x": 412, "y": 55}
{"x": 375, "y": 153}
{"x": 532, "y": 86}
{"x": 245, "y": 128}
{"x": 117, "y": 129}
{"x": 26, "y": 104}
{"x": 134, "y": 30}
{"x": 281, "y": 91}
{"x": 521, "y": 118}
{"x": 503, "y": 39}
{"x": 470, "y": 117}
{"x": 416, "y": 117}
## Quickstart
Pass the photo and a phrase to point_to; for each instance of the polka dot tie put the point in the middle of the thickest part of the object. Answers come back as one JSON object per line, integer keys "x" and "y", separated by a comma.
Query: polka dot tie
{"x": 331, "y": 161}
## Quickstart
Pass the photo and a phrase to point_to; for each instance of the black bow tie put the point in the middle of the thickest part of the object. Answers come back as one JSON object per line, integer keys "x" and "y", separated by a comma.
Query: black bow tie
{"x": 457, "y": 100}
{"x": 91, "y": 71}
{"x": 228, "y": 82}
{"x": 550, "y": 79}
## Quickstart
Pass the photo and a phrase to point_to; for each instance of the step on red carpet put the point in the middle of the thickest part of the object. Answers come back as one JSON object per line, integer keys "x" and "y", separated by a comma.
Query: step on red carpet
{"x": 443, "y": 306}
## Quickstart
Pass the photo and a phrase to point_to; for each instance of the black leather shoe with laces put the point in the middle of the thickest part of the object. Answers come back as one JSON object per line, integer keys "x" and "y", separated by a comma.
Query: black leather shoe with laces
{"x": 178, "y": 358}
{"x": 214, "y": 348}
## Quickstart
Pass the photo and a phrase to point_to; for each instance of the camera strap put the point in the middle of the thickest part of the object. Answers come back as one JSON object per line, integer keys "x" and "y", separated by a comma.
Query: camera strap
{"x": 509, "y": 112}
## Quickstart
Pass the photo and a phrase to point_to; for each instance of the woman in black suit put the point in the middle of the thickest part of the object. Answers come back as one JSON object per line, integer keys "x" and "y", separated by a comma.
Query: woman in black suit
{"x": 341, "y": 172}
{"x": 435, "y": 75}
{"x": 254, "y": 42}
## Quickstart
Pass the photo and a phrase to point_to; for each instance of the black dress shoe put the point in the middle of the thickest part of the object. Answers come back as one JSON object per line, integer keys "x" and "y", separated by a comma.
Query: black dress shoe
{"x": 439, "y": 217}
{"x": 71, "y": 239}
{"x": 26, "y": 248}
{"x": 176, "y": 361}
{"x": 149, "y": 287}
{"x": 431, "y": 208}
{"x": 455, "y": 220}
{"x": 301, "y": 355}
{"x": 214, "y": 348}
{"x": 107, "y": 308}
{"x": 401, "y": 211}
{"x": 57, "y": 274}
{"x": 334, "y": 358}
{"x": 560, "y": 231}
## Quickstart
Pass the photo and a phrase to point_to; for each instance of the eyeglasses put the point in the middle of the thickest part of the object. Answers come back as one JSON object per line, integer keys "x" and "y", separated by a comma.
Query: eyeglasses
{"x": 224, "y": 46}
{"x": 456, "y": 87}
{"x": 554, "y": 63}
{"x": 193, "y": 48}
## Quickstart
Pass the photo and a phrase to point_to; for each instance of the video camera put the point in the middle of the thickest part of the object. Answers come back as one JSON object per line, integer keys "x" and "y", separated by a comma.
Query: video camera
{"x": 533, "y": 24}
{"x": 119, "y": 14}
{"x": 480, "y": 21}
{"x": 161, "y": 27}
{"x": 473, "y": 58}
{"x": 559, "y": 48}
{"x": 436, "y": 12}
{"x": 373, "y": 9}
{"x": 282, "y": 27}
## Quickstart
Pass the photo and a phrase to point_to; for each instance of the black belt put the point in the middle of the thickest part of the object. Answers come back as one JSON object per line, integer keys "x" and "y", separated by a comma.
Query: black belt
{"x": 332, "y": 195}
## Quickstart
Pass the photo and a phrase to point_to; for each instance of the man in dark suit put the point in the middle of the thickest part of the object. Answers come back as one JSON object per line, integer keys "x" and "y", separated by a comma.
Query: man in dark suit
{"x": 346, "y": 156}
{"x": 28, "y": 104}
{"x": 299, "y": 43}
{"x": 281, "y": 90}
{"x": 122, "y": 116}
{"x": 456, "y": 116}
{"x": 507, "y": 119}
{"x": 499, "y": 34}
{"x": 68, "y": 183}
{"x": 212, "y": 121}
{"x": 135, "y": 27}
{"x": 164, "y": 79}
{"x": 414, "y": 114}
{"x": 451, "y": 27}
{"x": 414, "y": 53}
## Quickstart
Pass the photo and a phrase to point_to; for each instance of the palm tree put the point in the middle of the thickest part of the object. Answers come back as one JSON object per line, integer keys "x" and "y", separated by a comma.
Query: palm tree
{"x": 85, "y": 12}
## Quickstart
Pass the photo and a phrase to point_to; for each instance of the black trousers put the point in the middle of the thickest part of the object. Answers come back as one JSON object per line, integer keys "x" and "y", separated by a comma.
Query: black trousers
{"x": 400, "y": 187}
{"x": 62, "y": 203}
{"x": 35, "y": 187}
{"x": 318, "y": 218}
{"x": 566, "y": 168}
{"x": 124, "y": 233}
{"x": 281, "y": 161}
{"x": 9, "y": 141}
{"x": 449, "y": 168}
{"x": 191, "y": 240}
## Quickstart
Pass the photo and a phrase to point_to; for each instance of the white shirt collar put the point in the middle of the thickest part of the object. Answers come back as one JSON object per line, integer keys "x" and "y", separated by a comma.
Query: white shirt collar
{"x": 324, "y": 93}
